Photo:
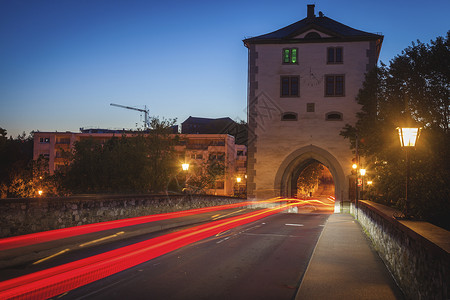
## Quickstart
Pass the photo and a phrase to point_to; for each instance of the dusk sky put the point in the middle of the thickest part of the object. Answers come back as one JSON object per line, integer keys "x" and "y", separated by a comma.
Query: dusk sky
{"x": 62, "y": 62}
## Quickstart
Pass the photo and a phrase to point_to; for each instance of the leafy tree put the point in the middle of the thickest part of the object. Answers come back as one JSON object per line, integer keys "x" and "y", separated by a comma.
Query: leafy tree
{"x": 142, "y": 163}
{"x": 413, "y": 90}
{"x": 309, "y": 178}
{"x": 203, "y": 176}
{"x": 16, "y": 155}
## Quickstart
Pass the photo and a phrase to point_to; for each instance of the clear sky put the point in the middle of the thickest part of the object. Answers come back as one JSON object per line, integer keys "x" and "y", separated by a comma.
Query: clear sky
{"x": 62, "y": 62}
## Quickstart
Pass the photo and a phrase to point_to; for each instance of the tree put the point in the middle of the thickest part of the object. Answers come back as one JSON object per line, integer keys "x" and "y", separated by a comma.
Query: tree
{"x": 204, "y": 176}
{"x": 16, "y": 155}
{"x": 144, "y": 162}
{"x": 414, "y": 89}
{"x": 309, "y": 178}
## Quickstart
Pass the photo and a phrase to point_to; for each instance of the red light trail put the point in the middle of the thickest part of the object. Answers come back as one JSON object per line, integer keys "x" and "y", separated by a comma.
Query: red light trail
{"x": 57, "y": 280}
{"x": 51, "y": 235}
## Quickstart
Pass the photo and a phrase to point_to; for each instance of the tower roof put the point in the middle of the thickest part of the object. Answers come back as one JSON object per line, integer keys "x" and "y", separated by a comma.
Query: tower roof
{"x": 333, "y": 31}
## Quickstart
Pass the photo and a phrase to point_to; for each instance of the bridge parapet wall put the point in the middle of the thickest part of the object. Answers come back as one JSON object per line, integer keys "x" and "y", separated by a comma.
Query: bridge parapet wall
{"x": 415, "y": 252}
{"x": 29, "y": 215}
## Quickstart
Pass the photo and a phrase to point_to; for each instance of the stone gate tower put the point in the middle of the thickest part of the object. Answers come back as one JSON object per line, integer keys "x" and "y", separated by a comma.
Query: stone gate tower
{"x": 302, "y": 84}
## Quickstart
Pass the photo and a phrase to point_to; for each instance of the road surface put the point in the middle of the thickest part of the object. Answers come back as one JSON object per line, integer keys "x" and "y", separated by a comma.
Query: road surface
{"x": 265, "y": 259}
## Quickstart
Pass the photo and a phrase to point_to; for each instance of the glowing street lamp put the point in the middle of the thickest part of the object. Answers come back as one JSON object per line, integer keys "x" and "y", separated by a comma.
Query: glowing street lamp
{"x": 238, "y": 179}
{"x": 185, "y": 167}
{"x": 362, "y": 172}
{"x": 40, "y": 192}
{"x": 369, "y": 182}
{"x": 408, "y": 138}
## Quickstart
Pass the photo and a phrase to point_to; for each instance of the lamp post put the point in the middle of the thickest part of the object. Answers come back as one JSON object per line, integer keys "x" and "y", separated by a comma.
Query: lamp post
{"x": 185, "y": 167}
{"x": 362, "y": 172}
{"x": 408, "y": 138}
{"x": 238, "y": 183}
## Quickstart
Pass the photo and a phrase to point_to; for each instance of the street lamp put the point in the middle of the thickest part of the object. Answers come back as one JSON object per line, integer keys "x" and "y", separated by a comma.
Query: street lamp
{"x": 185, "y": 167}
{"x": 408, "y": 138}
{"x": 362, "y": 172}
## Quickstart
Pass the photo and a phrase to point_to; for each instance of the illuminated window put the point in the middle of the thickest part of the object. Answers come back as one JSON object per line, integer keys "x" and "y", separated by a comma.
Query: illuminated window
{"x": 334, "y": 55}
{"x": 289, "y": 86}
{"x": 334, "y": 85}
{"x": 44, "y": 140}
{"x": 290, "y": 55}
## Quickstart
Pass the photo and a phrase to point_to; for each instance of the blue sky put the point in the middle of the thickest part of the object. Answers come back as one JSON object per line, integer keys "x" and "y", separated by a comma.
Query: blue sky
{"x": 62, "y": 62}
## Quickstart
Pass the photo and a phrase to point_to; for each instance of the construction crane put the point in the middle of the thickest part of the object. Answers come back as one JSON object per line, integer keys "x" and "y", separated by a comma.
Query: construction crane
{"x": 145, "y": 111}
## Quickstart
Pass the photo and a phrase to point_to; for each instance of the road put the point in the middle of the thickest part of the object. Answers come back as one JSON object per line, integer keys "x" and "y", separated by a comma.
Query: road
{"x": 265, "y": 259}
{"x": 221, "y": 252}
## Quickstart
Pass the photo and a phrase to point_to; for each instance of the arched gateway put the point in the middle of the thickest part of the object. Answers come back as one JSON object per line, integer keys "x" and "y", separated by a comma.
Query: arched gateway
{"x": 287, "y": 175}
{"x": 302, "y": 83}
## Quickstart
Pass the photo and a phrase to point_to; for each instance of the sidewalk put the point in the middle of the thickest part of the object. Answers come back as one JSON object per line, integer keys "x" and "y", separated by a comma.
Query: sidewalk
{"x": 344, "y": 266}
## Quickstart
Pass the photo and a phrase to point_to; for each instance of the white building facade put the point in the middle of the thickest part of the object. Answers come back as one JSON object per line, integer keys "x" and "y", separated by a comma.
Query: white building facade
{"x": 302, "y": 84}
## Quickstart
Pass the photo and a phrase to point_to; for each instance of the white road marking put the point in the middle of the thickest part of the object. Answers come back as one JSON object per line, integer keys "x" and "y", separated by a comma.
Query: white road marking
{"x": 272, "y": 234}
{"x": 223, "y": 240}
{"x": 293, "y": 224}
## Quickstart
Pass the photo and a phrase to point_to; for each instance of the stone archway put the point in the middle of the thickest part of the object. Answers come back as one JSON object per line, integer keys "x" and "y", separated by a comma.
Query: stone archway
{"x": 302, "y": 157}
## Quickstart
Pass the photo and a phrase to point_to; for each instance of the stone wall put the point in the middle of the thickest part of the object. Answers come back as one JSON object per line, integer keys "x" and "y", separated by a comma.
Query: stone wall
{"x": 416, "y": 253}
{"x": 23, "y": 216}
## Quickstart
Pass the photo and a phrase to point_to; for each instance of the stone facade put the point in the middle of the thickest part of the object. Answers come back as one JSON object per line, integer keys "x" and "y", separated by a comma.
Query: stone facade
{"x": 416, "y": 253}
{"x": 24, "y": 216}
{"x": 287, "y": 132}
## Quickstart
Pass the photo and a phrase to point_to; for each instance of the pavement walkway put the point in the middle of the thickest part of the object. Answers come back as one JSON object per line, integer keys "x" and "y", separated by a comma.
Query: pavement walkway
{"x": 345, "y": 266}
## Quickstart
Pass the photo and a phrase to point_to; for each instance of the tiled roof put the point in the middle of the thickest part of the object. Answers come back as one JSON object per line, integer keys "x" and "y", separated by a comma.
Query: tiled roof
{"x": 321, "y": 23}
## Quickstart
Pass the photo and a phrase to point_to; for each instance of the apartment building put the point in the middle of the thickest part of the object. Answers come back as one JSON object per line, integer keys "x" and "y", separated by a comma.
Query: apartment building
{"x": 194, "y": 149}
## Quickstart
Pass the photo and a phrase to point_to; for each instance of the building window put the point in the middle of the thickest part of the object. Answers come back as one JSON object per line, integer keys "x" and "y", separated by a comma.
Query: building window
{"x": 220, "y": 156}
{"x": 334, "y": 55}
{"x": 220, "y": 185}
{"x": 45, "y": 140}
{"x": 290, "y": 55}
{"x": 312, "y": 35}
{"x": 333, "y": 116}
{"x": 63, "y": 140}
{"x": 310, "y": 107}
{"x": 289, "y": 116}
{"x": 289, "y": 86}
{"x": 334, "y": 85}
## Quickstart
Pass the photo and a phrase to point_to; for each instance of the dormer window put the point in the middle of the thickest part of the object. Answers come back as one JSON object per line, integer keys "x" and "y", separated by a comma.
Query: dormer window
{"x": 290, "y": 55}
{"x": 334, "y": 55}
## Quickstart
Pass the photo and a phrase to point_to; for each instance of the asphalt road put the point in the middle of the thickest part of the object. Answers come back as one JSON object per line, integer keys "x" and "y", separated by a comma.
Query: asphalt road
{"x": 261, "y": 260}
